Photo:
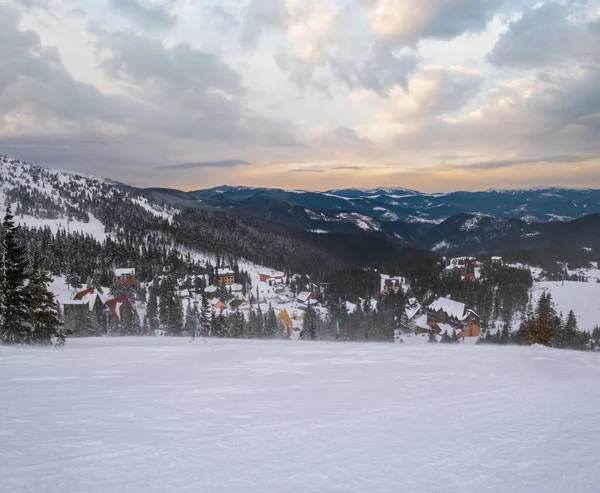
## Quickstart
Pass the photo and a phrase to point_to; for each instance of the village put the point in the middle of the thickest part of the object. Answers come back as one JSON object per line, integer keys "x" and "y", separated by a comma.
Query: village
{"x": 268, "y": 289}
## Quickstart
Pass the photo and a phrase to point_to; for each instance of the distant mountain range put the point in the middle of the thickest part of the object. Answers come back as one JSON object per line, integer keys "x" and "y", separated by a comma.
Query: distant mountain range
{"x": 359, "y": 224}
{"x": 472, "y": 222}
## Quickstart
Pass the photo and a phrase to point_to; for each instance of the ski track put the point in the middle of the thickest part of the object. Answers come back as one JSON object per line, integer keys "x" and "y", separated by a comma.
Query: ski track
{"x": 170, "y": 415}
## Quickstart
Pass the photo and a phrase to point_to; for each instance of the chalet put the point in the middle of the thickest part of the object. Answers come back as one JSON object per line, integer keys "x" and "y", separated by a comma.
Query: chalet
{"x": 211, "y": 292}
{"x": 447, "y": 328}
{"x": 93, "y": 298}
{"x": 390, "y": 283}
{"x": 120, "y": 306}
{"x": 454, "y": 313}
{"x": 421, "y": 325}
{"x": 284, "y": 319}
{"x": 304, "y": 297}
{"x": 266, "y": 276}
{"x": 236, "y": 288}
{"x": 217, "y": 304}
{"x": 412, "y": 310}
{"x": 423, "y": 297}
{"x": 74, "y": 308}
{"x": 238, "y": 304}
{"x": 497, "y": 260}
{"x": 125, "y": 277}
{"x": 225, "y": 277}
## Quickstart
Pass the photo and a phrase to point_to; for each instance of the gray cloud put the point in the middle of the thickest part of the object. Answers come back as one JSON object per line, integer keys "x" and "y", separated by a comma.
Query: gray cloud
{"x": 226, "y": 163}
{"x": 307, "y": 171}
{"x": 32, "y": 3}
{"x": 192, "y": 93}
{"x": 260, "y": 15}
{"x": 146, "y": 16}
{"x": 222, "y": 18}
{"x": 33, "y": 81}
{"x": 439, "y": 19}
{"x": 76, "y": 12}
{"x": 357, "y": 168}
{"x": 174, "y": 99}
{"x": 566, "y": 159}
{"x": 381, "y": 71}
{"x": 547, "y": 35}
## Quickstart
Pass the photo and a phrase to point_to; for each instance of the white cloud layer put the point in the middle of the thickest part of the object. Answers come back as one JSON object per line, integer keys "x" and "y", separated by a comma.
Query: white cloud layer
{"x": 365, "y": 89}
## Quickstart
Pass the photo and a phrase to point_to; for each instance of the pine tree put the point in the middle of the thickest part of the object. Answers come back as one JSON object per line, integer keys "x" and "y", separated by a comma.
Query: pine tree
{"x": 43, "y": 313}
{"x": 432, "y": 336}
{"x": 16, "y": 321}
{"x": 190, "y": 320}
{"x": 571, "y": 331}
{"x": 205, "y": 320}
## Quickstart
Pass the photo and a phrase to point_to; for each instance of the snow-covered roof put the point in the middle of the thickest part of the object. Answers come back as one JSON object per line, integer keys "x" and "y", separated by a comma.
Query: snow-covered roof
{"x": 225, "y": 272}
{"x": 446, "y": 328}
{"x": 450, "y": 307}
{"x": 271, "y": 273}
{"x": 125, "y": 272}
{"x": 236, "y": 287}
{"x": 421, "y": 322}
{"x": 91, "y": 299}
{"x": 412, "y": 308}
{"x": 211, "y": 289}
{"x": 74, "y": 302}
{"x": 304, "y": 296}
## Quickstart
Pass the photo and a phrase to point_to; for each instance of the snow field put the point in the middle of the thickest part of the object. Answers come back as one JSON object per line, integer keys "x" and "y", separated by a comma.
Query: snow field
{"x": 169, "y": 415}
{"x": 581, "y": 297}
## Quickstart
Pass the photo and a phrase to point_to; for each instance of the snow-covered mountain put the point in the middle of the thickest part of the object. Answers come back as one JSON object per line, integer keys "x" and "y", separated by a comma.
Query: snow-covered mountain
{"x": 397, "y": 204}
{"x": 71, "y": 201}
{"x": 469, "y": 222}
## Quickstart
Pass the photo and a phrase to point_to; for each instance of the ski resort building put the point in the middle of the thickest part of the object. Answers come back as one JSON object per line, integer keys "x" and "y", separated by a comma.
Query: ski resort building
{"x": 211, "y": 292}
{"x": 304, "y": 297}
{"x": 74, "y": 307}
{"x": 120, "y": 306}
{"x": 125, "y": 277}
{"x": 94, "y": 300}
{"x": 455, "y": 314}
{"x": 225, "y": 277}
{"x": 266, "y": 276}
{"x": 412, "y": 311}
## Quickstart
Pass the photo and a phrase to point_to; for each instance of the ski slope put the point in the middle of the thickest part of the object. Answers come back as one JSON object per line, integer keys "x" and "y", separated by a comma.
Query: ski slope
{"x": 145, "y": 415}
{"x": 581, "y": 297}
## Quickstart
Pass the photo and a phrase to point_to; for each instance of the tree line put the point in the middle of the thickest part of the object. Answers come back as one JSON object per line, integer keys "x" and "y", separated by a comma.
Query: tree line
{"x": 28, "y": 311}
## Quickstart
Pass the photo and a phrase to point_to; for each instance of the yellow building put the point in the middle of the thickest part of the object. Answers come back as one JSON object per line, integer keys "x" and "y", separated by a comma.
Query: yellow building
{"x": 225, "y": 277}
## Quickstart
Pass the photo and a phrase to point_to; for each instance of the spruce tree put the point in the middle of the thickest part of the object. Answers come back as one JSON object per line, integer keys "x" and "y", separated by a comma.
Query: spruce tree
{"x": 205, "y": 320}
{"x": 190, "y": 320}
{"x": 571, "y": 331}
{"x": 43, "y": 313}
{"x": 16, "y": 321}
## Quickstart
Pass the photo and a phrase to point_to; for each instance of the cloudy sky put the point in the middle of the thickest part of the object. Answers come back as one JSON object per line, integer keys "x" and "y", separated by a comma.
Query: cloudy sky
{"x": 434, "y": 95}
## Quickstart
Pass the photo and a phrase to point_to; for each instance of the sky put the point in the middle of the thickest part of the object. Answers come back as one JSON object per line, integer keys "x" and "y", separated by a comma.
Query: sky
{"x": 434, "y": 95}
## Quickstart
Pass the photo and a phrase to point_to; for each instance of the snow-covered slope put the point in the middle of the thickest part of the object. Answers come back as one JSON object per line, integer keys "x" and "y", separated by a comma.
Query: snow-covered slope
{"x": 137, "y": 415}
{"x": 581, "y": 297}
{"x": 63, "y": 200}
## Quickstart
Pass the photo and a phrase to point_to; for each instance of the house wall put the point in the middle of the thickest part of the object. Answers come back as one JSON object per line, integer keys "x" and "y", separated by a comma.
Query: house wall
{"x": 126, "y": 280}
{"x": 227, "y": 280}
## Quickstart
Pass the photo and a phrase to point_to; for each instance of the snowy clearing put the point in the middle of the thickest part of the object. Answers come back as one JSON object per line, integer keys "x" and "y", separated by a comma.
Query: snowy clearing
{"x": 159, "y": 414}
{"x": 581, "y": 297}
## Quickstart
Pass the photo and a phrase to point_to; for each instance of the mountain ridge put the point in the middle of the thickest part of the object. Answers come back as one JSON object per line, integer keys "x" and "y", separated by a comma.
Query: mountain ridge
{"x": 465, "y": 222}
